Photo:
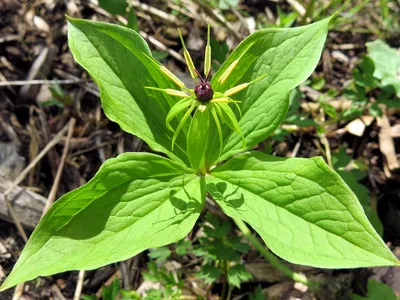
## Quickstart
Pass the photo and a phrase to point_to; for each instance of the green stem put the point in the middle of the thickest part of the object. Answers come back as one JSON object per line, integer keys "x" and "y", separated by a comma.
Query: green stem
{"x": 271, "y": 258}
{"x": 228, "y": 297}
{"x": 225, "y": 278}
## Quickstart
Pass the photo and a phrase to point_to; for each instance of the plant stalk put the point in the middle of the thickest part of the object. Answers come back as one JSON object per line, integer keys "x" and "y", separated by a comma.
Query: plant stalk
{"x": 271, "y": 258}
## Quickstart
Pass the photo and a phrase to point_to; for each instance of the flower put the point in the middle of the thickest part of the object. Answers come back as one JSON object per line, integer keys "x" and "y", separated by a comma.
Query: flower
{"x": 203, "y": 97}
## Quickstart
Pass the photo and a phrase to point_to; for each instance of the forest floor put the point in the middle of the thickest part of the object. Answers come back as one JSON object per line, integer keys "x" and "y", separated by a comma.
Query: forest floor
{"x": 42, "y": 89}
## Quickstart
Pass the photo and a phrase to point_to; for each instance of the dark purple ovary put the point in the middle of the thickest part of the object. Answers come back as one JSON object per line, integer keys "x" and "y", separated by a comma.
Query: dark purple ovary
{"x": 203, "y": 91}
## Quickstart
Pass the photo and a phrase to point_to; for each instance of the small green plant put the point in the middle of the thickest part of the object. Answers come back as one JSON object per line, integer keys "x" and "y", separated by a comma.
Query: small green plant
{"x": 300, "y": 207}
{"x": 377, "y": 290}
{"x": 221, "y": 255}
{"x": 377, "y": 77}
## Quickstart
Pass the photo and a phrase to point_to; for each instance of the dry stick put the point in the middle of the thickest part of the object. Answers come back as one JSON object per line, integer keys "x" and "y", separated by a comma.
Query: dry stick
{"x": 20, "y": 287}
{"x": 53, "y": 193}
{"x": 23, "y": 174}
{"x": 155, "y": 11}
{"x": 79, "y": 285}
{"x": 54, "y": 188}
{"x": 40, "y": 81}
{"x": 19, "y": 290}
{"x": 156, "y": 43}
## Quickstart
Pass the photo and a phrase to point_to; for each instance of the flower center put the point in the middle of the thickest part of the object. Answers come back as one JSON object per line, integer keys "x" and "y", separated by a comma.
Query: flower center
{"x": 203, "y": 91}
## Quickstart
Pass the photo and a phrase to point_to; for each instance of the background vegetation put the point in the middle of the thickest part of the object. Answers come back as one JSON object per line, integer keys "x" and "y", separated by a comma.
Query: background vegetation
{"x": 348, "y": 112}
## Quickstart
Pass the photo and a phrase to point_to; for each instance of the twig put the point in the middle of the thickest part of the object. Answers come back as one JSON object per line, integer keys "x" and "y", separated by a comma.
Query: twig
{"x": 272, "y": 259}
{"x": 156, "y": 43}
{"x": 79, "y": 285}
{"x": 220, "y": 18}
{"x": 19, "y": 290}
{"x": 328, "y": 155}
{"x": 10, "y": 132}
{"x": 296, "y": 5}
{"x": 9, "y": 38}
{"x": 297, "y": 147}
{"x": 54, "y": 188}
{"x": 41, "y": 81}
{"x": 185, "y": 11}
{"x": 32, "y": 164}
{"x": 20, "y": 287}
{"x": 155, "y": 11}
{"x": 21, "y": 177}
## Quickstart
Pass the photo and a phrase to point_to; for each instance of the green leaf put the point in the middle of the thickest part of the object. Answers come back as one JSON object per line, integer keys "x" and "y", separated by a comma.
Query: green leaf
{"x": 114, "y": 7}
{"x": 288, "y": 56}
{"x": 387, "y": 64}
{"x": 328, "y": 108}
{"x": 197, "y": 138}
{"x": 160, "y": 254}
{"x": 132, "y": 20}
{"x": 209, "y": 273}
{"x": 135, "y": 201}
{"x": 301, "y": 208}
{"x": 182, "y": 247}
{"x": 112, "y": 291}
{"x": 153, "y": 294}
{"x": 219, "y": 228}
{"x": 377, "y": 291}
{"x": 114, "y": 56}
{"x": 237, "y": 274}
{"x": 226, "y": 4}
{"x": 258, "y": 294}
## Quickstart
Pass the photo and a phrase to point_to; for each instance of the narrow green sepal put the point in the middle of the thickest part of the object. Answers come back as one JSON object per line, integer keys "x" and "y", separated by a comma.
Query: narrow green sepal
{"x": 197, "y": 138}
{"x": 182, "y": 122}
{"x": 217, "y": 123}
{"x": 228, "y": 116}
{"x": 177, "y": 109}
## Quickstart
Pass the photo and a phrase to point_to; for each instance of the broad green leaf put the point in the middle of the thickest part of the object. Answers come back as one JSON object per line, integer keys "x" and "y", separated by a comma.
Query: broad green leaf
{"x": 387, "y": 64}
{"x": 301, "y": 208}
{"x": 377, "y": 291}
{"x": 288, "y": 56}
{"x": 135, "y": 201}
{"x": 115, "y": 57}
{"x": 197, "y": 138}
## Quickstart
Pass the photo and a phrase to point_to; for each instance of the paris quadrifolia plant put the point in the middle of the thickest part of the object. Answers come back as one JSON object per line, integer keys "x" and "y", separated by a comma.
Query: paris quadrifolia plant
{"x": 301, "y": 208}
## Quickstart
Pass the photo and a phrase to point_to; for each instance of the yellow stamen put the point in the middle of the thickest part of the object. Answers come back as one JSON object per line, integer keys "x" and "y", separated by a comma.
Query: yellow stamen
{"x": 188, "y": 58}
{"x": 171, "y": 92}
{"x": 224, "y": 100}
{"x": 228, "y": 72}
{"x": 166, "y": 72}
{"x": 207, "y": 55}
{"x": 171, "y": 76}
{"x": 233, "y": 65}
{"x": 236, "y": 89}
{"x": 241, "y": 87}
